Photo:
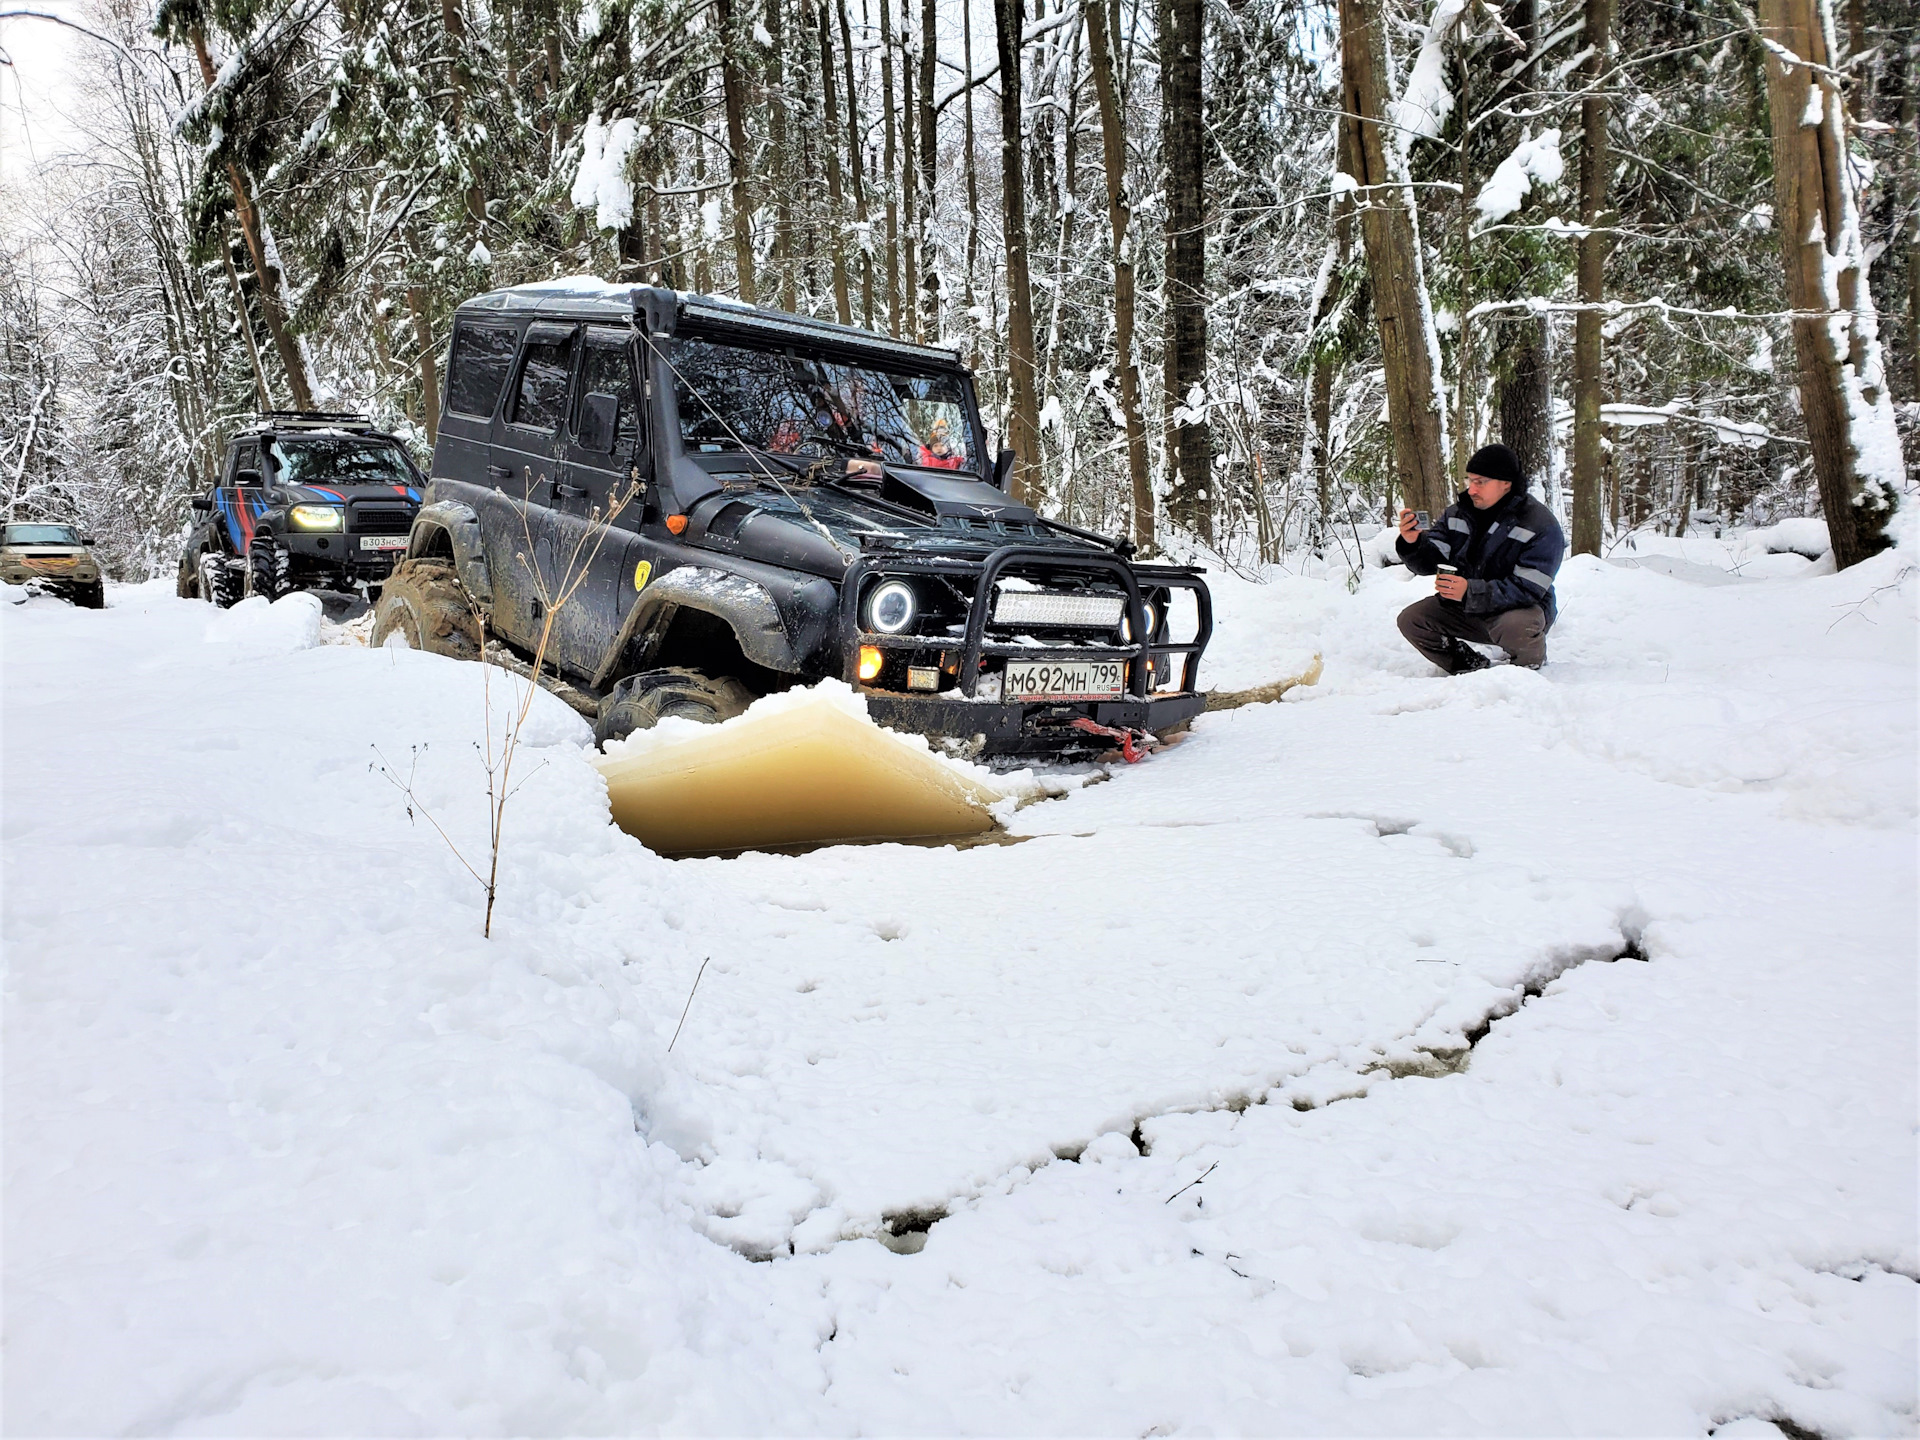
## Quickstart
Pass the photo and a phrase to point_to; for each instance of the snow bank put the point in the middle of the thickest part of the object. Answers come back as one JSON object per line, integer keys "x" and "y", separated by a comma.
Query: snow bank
{"x": 1519, "y": 1053}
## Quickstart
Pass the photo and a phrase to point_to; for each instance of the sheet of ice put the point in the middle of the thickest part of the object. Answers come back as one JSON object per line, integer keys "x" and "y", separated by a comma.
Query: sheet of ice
{"x": 1520, "y": 1053}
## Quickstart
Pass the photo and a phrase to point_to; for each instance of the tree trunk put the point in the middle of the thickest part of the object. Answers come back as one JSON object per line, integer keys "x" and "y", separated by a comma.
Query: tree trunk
{"x": 1395, "y": 269}
{"x": 1102, "y": 21}
{"x": 1856, "y": 451}
{"x": 929, "y": 160}
{"x": 888, "y": 160}
{"x": 733, "y": 89}
{"x": 260, "y": 391}
{"x": 779, "y": 162}
{"x": 429, "y": 372}
{"x": 909, "y": 180}
{"x": 1909, "y": 114}
{"x": 837, "y": 217}
{"x": 1588, "y": 358}
{"x": 1325, "y": 360}
{"x": 1023, "y": 420}
{"x": 1189, "y": 501}
{"x": 1526, "y": 399}
{"x": 272, "y": 312}
{"x": 455, "y": 26}
{"x": 854, "y": 148}
{"x": 1063, "y": 253}
{"x": 973, "y": 181}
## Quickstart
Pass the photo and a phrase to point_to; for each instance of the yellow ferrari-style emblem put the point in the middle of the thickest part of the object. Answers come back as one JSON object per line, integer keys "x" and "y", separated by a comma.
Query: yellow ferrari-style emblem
{"x": 642, "y": 573}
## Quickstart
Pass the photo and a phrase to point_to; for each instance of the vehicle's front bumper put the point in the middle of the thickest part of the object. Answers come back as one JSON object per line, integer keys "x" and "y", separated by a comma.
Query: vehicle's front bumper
{"x": 338, "y": 552}
{"x": 1029, "y": 727}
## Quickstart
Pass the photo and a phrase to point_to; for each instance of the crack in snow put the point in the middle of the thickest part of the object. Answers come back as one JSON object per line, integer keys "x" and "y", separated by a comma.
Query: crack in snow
{"x": 905, "y": 1231}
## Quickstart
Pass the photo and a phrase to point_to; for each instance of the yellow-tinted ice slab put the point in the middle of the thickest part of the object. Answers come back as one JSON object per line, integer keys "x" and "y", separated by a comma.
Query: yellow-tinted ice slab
{"x": 795, "y": 769}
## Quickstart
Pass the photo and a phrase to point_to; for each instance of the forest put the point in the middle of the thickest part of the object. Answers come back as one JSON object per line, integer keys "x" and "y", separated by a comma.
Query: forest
{"x": 1238, "y": 276}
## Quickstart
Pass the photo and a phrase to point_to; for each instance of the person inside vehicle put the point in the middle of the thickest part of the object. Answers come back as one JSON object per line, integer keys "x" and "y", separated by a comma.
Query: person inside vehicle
{"x": 1494, "y": 554}
{"x": 939, "y": 452}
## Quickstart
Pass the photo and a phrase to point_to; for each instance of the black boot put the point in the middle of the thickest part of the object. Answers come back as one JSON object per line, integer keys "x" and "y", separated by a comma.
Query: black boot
{"x": 1465, "y": 658}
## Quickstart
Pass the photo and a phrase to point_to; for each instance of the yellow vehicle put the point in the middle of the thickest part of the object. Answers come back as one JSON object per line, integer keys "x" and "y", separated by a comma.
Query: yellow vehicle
{"x": 57, "y": 557}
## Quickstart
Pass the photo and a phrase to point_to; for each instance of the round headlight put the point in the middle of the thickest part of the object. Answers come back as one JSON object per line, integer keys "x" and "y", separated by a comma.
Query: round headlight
{"x": 316, "y": 517}
{"x": 891, "y": 607}
{"x": 1126, "y": 623}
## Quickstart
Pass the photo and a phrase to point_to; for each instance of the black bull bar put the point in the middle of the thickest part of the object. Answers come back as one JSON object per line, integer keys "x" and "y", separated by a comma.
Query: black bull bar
{"x": 1006, "y": 724}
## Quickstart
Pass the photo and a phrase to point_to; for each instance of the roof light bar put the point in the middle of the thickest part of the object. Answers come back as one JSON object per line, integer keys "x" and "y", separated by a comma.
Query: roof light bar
{"x": 785, "y": 326}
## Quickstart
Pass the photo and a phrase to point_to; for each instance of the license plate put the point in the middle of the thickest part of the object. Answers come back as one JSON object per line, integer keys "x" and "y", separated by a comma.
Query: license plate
{"x": 1065, "y": 680}
{"x": 383, "y": 542}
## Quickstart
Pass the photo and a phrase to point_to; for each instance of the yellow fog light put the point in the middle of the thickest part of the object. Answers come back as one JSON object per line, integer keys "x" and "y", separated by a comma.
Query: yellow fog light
{"x": 869, "y": 661}
{"x": 315, "y": 517}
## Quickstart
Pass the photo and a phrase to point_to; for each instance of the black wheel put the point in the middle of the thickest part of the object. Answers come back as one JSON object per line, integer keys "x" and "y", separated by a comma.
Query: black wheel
{"x": 91, "y": 597}
{"x": 424, "y": 603}
{"x": 267, "y": 567}
{"x": 218, "y": 585}
{"x": 641, "y": 701}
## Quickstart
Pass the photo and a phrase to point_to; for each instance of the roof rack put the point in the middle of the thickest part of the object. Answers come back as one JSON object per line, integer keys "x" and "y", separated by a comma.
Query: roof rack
{"x": 312, "y": 417}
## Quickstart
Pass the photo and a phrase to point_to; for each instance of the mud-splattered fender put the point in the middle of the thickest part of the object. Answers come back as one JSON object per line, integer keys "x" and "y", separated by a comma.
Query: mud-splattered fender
{"x": 748, "y": 606}
{"x": 447, "y": 526}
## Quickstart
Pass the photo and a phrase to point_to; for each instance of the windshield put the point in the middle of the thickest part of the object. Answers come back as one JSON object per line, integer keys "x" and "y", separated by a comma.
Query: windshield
{"x": 803, "y": 405}
{"x": 338, "y": 460}
{"x": 42, "y": 535}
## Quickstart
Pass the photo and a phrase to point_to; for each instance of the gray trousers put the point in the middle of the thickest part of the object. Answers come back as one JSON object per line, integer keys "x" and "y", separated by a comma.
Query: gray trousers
{"x": 1432, "y": 623}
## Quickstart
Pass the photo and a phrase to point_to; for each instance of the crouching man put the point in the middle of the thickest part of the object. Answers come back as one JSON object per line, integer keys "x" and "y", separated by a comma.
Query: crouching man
{"x": 1494, "y": 554}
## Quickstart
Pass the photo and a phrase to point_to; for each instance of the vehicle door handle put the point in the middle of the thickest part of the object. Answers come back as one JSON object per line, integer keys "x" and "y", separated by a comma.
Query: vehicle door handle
{"x": 499, "y": 472}
{"x": 570, "y": 492}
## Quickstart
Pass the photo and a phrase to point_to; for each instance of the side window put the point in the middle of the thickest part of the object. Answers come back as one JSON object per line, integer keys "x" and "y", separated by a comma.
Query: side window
{"x": 482, "y": 355}
{"x": 244, "y": 457}
{"x": 606, "y": 370}
{"x": 541, "y": 403}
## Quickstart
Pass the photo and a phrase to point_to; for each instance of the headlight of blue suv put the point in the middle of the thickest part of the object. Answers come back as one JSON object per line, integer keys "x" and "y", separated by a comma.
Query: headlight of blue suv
{"x": 316, "y": 517}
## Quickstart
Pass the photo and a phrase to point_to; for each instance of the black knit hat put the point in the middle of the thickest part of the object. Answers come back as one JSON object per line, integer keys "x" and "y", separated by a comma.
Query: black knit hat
{"x": 1497, "y": 462}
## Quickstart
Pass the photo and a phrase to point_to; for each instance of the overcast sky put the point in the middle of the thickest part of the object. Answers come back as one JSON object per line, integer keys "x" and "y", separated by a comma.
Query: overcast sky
{"x": 37, "y": 108}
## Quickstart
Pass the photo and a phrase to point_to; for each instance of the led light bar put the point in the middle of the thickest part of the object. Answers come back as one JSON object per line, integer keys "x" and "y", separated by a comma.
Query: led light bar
{"x": 1040, "y": 607}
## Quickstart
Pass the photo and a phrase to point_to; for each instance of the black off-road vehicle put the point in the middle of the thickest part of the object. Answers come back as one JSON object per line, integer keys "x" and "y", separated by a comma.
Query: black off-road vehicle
{"x": 809, "y": 500}
{"x": 304, "y": 501}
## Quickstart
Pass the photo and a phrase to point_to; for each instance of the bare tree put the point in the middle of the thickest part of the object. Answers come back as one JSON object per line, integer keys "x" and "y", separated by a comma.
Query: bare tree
{"x": 1849, "y": 414}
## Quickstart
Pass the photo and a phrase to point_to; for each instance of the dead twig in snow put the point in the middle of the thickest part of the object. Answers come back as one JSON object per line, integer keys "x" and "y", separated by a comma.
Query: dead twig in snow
{"x": 689, "y": 1005}
{"x": 1191, "y": 1183}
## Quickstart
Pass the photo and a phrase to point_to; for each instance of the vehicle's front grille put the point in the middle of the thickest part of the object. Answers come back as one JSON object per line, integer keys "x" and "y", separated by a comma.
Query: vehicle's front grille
{"x": 380, "y": 519}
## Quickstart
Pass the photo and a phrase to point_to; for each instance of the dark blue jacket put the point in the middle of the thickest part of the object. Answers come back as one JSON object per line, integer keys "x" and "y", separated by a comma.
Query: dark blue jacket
{"x": 1511, "y": 568}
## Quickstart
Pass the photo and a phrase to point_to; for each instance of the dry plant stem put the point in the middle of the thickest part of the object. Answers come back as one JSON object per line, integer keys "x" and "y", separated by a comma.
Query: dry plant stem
{"x": 570, "y": 578}
{"x": 689, "y": 1005}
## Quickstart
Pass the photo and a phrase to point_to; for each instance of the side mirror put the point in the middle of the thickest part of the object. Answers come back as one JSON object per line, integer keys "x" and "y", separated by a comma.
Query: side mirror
{"x": 1002, "y": 469}
{"x": 599, "y": 415}
{"x": 203, "y": 504}
{"x": 249, "y": 477}
{"x": 86, "y": 540}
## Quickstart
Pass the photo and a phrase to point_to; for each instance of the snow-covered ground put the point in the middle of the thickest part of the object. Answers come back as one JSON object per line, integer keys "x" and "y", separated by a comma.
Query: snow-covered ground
{"x": 1519, "y": 1053}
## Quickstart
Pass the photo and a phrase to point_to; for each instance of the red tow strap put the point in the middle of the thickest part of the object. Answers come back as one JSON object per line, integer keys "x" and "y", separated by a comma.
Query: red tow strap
{"x": 1135, "y": 745}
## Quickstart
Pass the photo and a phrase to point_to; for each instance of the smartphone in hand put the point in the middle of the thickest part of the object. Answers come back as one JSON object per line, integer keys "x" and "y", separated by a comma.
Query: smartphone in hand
{"x": 1420, "y": 520}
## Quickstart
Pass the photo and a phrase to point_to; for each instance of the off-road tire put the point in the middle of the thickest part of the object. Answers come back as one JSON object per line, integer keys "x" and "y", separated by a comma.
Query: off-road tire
{"x": 424, "y": 602}
{"x": 642, "y": 701}
{"x": 267, "y": 567}
{"x": 91, "y": 597}
{"x": 215, "y": 581}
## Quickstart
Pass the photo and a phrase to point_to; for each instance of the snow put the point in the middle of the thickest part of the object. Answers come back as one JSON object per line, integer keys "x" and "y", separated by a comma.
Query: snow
{"x": 291, "y": 1148}
{"x": 1534, "y": 161}
{"x": 1423, "y": 106}
{"x": 601, "y": 181}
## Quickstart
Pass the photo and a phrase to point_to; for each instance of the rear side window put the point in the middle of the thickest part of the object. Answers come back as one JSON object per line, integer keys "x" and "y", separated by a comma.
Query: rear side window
{"x": 606, "y": 371}
{"x": 542, "y": 401}
{"x": 482, "y": 354}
